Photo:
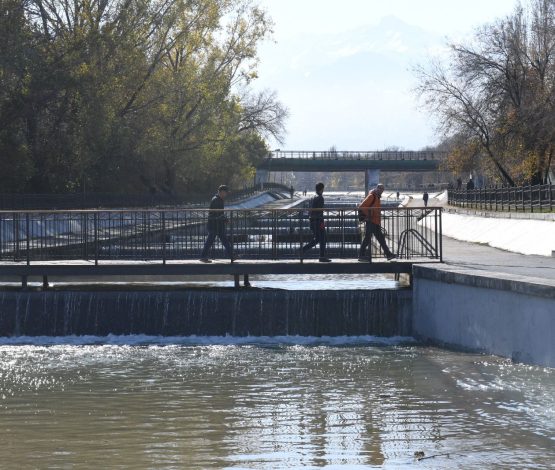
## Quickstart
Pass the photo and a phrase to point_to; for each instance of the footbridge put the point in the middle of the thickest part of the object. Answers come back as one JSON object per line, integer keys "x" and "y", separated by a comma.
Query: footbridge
{"x": 168, "y": 242}
{"x": 371, "y": 162}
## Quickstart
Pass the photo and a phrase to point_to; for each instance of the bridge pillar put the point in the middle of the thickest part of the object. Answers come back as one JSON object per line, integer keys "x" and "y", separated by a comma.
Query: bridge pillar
{"x": 261, "y": 177}
{"x": 371, "y": 179}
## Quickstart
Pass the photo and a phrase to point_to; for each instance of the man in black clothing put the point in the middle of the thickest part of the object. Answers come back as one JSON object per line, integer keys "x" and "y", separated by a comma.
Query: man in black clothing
{"x": 317, "y": 225}
{"x": 216, "y": 225}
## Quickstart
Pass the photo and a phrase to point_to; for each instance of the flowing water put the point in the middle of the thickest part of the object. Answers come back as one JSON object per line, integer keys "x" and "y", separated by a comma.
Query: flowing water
{"x": 267, "y": 403}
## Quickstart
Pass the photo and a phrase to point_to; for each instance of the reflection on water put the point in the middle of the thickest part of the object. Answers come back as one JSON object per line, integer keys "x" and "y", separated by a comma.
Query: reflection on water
{"x": 277, "y": 403}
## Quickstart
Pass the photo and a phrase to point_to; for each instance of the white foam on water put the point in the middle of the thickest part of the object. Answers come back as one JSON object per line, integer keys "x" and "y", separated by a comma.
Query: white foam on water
{"x": 142, "y": 340}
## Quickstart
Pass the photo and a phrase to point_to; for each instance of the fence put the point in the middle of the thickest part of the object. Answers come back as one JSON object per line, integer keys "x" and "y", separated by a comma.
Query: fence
{"x": 164, "y": 235}
{"x": 522, "y": 199}
{"x": 92, "y": 200}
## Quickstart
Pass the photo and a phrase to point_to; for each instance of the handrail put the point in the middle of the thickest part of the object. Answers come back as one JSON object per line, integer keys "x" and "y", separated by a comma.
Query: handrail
{"x": 518, "y": 199}
{"x": 358, "y": 155}
{"x": 196, "y": 209}
{"x": 404, "y": 238}
{"x": 167, "y": 234}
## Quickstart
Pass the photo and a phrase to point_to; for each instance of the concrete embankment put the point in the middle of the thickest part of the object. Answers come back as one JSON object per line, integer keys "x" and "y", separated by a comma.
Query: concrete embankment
{"x": 495, "y": 293}
{"x": 496, "y": 313}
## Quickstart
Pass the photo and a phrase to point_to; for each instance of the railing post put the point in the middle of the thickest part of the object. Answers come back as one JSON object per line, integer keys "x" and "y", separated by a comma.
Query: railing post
{"x": 274, "y": 235}
{"x": 231, "y": 234}
{"x": 95, "y": 238}
{"x": 342, "y": 222}
{"x": 27, "y": 238}
{"x": 440, "y": 236}
{"x": 301, "y": 253}
{"x": 85, "y": 225}
{"x": 163, "y": 237}
{"x": 15, "y": 227}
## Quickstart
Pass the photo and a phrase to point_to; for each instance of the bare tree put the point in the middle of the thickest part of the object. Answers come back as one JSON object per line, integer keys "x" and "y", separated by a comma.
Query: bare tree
{"x": 495, "y": 96}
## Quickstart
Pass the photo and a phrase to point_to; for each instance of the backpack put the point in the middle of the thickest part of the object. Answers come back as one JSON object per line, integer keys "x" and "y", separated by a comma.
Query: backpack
{"x": 361, "y": 214}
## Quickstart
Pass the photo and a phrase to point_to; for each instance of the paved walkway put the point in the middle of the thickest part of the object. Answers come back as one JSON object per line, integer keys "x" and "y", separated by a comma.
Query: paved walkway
{"x": 482, "y": 257}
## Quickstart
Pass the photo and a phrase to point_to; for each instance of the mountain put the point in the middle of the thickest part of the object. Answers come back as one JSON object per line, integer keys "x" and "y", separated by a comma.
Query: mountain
{"x": 352, "y": 88}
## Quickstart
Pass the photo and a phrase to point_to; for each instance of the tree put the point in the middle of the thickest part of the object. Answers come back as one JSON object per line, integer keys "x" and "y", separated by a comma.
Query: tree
{"x": 131, "y": 94}
{"x": 495, "y": 98}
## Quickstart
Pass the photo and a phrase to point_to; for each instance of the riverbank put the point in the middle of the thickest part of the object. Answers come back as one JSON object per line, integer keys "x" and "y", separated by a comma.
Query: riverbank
{"x": 526, "y": 233}
{"x": 495, "y": 291}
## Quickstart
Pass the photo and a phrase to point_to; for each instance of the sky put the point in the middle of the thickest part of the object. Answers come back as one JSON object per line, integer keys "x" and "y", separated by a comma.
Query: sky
{"x": 344, "y": 68}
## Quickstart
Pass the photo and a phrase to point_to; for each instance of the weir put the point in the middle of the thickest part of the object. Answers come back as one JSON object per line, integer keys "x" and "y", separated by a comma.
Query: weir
{"x": 206, "y": 312}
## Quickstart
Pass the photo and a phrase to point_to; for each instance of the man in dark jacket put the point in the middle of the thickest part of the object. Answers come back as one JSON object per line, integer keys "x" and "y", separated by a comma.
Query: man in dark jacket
{"x": 216, "y": 225}
{"x": 317, "y": 224}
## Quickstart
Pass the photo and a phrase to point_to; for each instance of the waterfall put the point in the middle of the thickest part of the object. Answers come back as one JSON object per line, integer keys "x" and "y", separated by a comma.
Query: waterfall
{"x": 206, "y": 312}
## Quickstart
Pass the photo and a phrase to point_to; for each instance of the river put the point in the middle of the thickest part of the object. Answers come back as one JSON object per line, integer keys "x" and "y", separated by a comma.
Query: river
{"x": 267, "y": 403}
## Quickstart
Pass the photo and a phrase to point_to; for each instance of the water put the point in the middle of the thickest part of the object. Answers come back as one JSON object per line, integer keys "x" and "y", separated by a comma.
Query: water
{"x": 275, "y": 281}
{"x": 267, "y": 403}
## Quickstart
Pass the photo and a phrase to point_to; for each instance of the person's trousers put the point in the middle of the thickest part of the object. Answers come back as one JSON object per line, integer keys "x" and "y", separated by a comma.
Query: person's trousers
{"x": 210, "y": 241}
{"x": 318, "y": 237}
{"x": 376, "y": 230}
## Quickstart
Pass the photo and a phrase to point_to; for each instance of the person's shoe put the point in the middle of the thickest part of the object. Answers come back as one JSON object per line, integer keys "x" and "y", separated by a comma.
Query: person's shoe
{"x": 363, "y": 259}
{"x": 324, "y": 260}
{"x": 391, "y": 256}
{"x": 205, "y": 260}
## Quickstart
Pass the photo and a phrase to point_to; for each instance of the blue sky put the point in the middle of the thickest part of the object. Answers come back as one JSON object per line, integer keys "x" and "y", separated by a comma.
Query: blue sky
{"x": 344, "y": 68}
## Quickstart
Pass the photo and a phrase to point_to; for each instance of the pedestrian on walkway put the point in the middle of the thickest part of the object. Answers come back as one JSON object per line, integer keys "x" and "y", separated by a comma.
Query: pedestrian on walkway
{"x": 370, "y": 214}
{"x": 317, "y": 224}
{"x": 216, "y": 225}
{"x": 425, "y": 198}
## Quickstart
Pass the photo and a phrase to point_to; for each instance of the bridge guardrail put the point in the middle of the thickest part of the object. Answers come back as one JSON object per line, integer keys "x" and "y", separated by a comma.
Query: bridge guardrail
{"x": 170, "y": 234}
{"x": 363, "y": 155}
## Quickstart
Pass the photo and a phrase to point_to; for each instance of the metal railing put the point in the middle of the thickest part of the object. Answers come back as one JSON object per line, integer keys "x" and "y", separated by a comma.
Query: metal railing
{"x": 365, "y": 155}
{"x": 518, "y": 199}
{"x": 93, "y": 200}
{"x": 164, "y": 235}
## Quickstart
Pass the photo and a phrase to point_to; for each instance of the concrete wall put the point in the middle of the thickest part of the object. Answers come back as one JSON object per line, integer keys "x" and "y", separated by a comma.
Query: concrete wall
{"x": 489, "y": 312}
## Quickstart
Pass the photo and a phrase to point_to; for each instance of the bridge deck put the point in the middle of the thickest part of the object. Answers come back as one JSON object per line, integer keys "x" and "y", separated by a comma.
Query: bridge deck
{"x": 171, "y": 268}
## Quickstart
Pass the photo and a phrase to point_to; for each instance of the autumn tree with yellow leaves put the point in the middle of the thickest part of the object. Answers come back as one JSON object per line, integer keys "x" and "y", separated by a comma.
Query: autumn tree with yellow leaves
{"x": 131, "y": 95}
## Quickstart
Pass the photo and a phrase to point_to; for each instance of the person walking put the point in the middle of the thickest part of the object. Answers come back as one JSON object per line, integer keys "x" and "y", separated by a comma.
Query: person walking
{"x": 216, "y": 225}
{"x": 317, "y": 225}
{"x": 425, "y": 197}
{"x": 370, "y": 213}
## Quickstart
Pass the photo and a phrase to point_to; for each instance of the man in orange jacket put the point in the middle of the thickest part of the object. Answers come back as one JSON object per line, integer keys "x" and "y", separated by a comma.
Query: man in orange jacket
{"x": 371, "y": 209}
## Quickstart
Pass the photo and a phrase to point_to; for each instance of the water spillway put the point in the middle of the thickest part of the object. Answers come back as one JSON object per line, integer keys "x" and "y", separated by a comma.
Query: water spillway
{"x": 213, "y": 312}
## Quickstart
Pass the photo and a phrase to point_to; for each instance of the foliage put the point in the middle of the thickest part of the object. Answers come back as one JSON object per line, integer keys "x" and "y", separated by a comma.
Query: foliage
{"x": 495, "y": 96}
{"x": 128, "y": 95}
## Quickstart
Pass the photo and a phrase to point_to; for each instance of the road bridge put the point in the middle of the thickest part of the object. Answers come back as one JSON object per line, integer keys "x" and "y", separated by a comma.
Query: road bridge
{"x": 371, "y": 162}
